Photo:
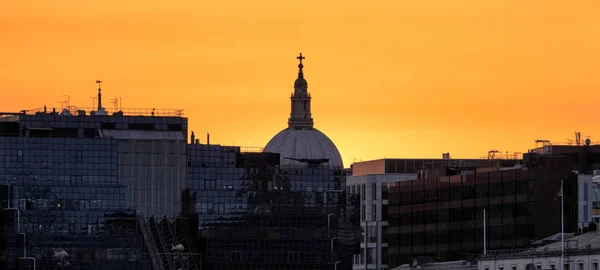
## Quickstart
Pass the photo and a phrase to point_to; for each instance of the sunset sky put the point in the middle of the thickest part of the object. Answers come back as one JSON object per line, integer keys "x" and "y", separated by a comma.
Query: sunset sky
{"x": 388, "y": 78}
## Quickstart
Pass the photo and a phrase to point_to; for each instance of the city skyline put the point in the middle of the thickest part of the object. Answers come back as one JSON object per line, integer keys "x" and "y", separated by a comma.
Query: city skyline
{"x": 397, "y": 80}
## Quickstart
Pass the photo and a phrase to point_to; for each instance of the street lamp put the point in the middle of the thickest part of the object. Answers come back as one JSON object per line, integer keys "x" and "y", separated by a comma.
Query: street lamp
{"x": 336, "y": 263}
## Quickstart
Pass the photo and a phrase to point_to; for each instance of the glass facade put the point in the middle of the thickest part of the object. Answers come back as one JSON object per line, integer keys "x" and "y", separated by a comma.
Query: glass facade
{"x": 76, "y": 189}
{"x": 69, "y": 202}
{"x": 254, "y": 214}
{"x": 120, "y": 192}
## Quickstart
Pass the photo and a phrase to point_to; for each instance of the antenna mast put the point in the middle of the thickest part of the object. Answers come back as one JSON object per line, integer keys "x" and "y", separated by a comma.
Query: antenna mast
{"x": 99, "y": 82}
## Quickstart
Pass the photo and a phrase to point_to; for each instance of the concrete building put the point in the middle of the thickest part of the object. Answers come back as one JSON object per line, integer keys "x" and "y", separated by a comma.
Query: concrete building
{"x": 584, "y": 159}
{"x": 373, "y": 193}
{"x": 582, "y": 252}
{"x": 589, "y": 200}
{"x": 370, "y": 180}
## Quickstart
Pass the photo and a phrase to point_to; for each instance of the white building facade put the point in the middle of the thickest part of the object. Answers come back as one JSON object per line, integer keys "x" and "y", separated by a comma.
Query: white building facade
{"x": 582, "y": 252}
{"x": 373, "y": 190}
{"x": 589, "y": 199}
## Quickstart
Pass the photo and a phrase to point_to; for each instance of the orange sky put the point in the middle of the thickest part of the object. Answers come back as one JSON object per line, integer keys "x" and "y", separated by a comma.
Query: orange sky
{"x": 390, "y": 78}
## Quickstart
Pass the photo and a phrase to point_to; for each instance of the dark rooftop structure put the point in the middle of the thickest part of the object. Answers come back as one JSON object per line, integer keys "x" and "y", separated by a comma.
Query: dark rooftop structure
{"x": 583, "y": 158}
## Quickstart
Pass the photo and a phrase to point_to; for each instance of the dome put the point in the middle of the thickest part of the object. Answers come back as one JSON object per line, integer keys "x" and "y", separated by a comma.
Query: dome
{"x": 301, "y": 144}
{"x": 304, "y": 144}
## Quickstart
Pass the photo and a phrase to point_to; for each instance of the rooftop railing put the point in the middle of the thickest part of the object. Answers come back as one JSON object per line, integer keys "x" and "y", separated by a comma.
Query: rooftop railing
{"x": 75, "y": 111}
{"x": 538, "y": 252}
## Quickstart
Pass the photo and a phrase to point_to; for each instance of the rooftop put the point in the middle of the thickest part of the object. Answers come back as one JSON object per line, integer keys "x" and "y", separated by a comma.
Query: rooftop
{"x": 76, "y": 110}
{"x": 580, "y": 244}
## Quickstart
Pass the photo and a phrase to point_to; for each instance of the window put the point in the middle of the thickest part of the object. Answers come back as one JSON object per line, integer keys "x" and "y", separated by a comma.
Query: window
{"x": 374, "y": 212}
{"x": 595, "y": 266}
{"x": 374, "y": 191}
{"x": 364, "y": 213}
{"x": 372, "y": 234}
{"x": 372, "y": 256}
{"x": 552, "y": 266}
{"x": 500, "y": 268}
{"x": 514, "y": 268}
{"x": 580, "y": 266}
{"x": 566, "y": 267}
{"x": 384, "y": 191}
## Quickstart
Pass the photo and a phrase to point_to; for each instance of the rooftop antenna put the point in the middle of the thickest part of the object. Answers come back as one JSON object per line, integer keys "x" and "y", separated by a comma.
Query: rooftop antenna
{"x": 99, "y": 82}
{"x": 492, "y": 154}
{"x": 93, "y": 102}
{"x": 68, "y": 100}
{"x": 115, "y": 102}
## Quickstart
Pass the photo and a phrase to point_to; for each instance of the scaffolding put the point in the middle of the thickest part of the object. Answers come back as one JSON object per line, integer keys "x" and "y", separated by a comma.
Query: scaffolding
{"x": 168, "y": 244}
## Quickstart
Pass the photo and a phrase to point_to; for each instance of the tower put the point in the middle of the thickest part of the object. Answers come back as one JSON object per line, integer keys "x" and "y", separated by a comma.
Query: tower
{"x": 300, "y": 116}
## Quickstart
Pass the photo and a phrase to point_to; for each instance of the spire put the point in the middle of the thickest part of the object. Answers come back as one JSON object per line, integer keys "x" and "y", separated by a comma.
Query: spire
{"x": 99, "y": 94}
{"x": 300, "y": 116}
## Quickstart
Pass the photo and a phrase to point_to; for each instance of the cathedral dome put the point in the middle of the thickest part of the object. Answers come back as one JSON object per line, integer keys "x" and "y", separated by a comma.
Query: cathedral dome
{"x": 304, "y": 144}
{"x": 301, "y": 144}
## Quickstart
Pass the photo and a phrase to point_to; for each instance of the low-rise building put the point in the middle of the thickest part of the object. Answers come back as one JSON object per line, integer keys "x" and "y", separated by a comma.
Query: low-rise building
{"x": 441, "y": 214}
{"x": 580, "y": 252}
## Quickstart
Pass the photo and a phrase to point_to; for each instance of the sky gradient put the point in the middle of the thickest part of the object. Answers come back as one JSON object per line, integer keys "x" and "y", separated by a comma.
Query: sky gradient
{"x": 388, "y": 78}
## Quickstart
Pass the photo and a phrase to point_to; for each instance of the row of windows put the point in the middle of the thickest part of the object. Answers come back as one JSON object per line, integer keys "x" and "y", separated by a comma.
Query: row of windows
{"x": 266, "y": 256}
{"x": 66, "y": 143}
{"x": 551, "y": 265}
{"x": 462, "y": 192}
{"x": 495, "y": 212}
{"x": 70, "y": 204}
{"x": 290, "y": 234}
{"x": 466, "y": 235}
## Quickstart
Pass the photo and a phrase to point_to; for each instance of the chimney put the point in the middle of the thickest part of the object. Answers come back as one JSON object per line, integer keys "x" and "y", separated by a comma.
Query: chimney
{"x": 197, "y": 141}
{"x": 193, "y": 138}
{"x": 207, "y": 138}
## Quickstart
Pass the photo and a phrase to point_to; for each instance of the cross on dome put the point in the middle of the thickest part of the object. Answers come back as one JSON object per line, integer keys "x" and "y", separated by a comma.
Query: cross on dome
{"x": 300, "y": 58}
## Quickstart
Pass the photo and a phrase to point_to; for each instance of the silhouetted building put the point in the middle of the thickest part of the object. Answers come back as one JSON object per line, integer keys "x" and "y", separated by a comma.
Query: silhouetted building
{"x": 440, "y": 215}
{"x": 254, "y": 214}
{"x": 584, "y": 159}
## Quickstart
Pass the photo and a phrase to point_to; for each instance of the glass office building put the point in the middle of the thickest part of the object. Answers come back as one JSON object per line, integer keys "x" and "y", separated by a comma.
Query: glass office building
{"x": 254, "y": 214}
{"x": 76, "y": 185}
